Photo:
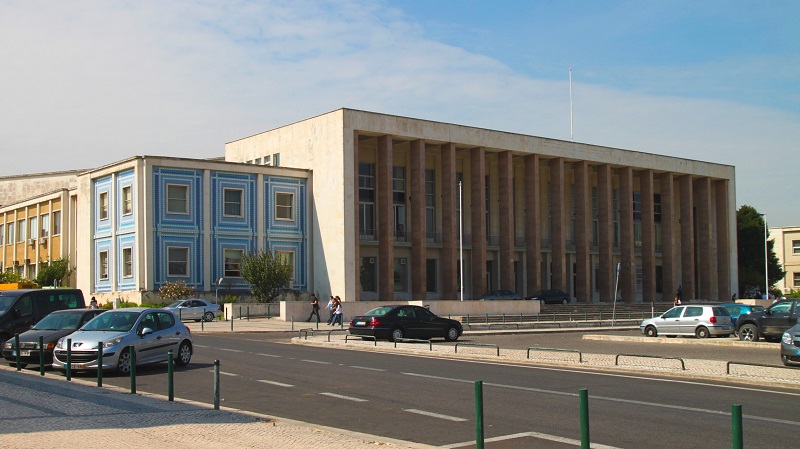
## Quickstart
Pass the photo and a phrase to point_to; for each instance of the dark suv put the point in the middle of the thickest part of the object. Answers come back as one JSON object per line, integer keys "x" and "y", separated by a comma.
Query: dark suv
{"x": 769, "y": 323}
{"x": 553, "y": 296}
{"x": 21, "y": 309}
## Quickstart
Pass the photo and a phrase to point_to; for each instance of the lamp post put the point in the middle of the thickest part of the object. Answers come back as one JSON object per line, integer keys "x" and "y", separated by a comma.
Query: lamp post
{"x": 216, "y": 291}
{"x": 766, "y": 258}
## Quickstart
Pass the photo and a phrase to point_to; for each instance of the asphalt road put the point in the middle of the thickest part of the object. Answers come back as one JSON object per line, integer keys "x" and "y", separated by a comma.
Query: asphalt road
{"x": 430, "y": 400}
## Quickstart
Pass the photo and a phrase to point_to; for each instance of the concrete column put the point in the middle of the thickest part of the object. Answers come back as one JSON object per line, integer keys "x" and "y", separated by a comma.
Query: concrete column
{"x": 558, "y": 228}
{"x": 668, "y": 227}
{"x": 505, "y": 189}
{"x": 449, "y": 253}
{"x": 533, "y": 226}
{"x": 385, "y": 219}
{"x": 605, "y": 219}
{"x": 648, "y": 237}
{"x": 687, "y": 237}
{"x": 723, "y": 240}
{"x": 356, "y": 234}
{"x": 478, "y": 217}
{"x": 583, "y": 213}
{"x": 417, "y": 225}
{"x": 706, "y": 287}
{"x": 627, "y": 275}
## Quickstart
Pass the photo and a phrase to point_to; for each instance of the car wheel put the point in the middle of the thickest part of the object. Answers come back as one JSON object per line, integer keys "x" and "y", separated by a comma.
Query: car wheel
{"x": 124, "y": 361}
{"x": 184, "y": 354}
{"x": 452, "y": 334}
{"x": 785, "y": 360}
{"x": 397, "y": 334}
{"x": 748, "y": 332}
{"x": 702, "y": 332}
{"x": 14, "y": 365}
{"x": 209, "y": 316}
{"x": 651, "y": 331}
{"x": 565, "y": 301}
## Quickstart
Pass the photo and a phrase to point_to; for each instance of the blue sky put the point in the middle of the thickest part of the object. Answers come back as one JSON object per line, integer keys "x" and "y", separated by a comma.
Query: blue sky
{"x": 89, "y": 82}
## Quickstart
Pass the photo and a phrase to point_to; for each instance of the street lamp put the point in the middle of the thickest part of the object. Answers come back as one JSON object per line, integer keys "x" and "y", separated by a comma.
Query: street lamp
{"x": 216, "y": 292}
{"x": 766, "y": 259}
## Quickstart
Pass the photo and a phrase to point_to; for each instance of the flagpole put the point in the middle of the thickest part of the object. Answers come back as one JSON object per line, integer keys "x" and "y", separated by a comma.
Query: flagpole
{"x": 461, "y": 238}
{"x": 571, "y": 133}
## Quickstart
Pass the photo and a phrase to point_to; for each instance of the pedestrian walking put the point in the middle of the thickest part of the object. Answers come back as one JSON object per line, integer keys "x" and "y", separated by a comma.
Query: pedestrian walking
{"x": 679, "y": 296}
{"x": 314, "y": 308}
{"x": 93, "y": 303}
{"x": 337, "y": 313}
{"x": 329, "y": 308}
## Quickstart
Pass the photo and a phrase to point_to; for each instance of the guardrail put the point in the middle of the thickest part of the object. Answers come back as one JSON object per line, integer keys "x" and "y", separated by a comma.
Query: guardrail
{"x": 362, "y": 337}
{"x": 304, "y": 332}
{"x": 478, "y": 344}
{"x": 413, "y": 340}
{"x": 616, "y": 359}
{"x": 538, "y": 348}
{"x": 728, "y": 366}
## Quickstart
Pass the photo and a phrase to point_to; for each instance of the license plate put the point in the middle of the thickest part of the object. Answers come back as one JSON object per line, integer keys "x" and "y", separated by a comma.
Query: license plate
{"x": 361, "y": 323}
{"x": 726, "y": 327}
{"x": 78, "y": 366}
{"x": 797, "y": 352}
{"x": 21, "y": 353}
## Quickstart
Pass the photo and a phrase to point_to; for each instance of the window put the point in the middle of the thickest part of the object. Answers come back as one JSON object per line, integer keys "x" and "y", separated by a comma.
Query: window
{"x": 283, "y": 206}
{"x": 366, "y": 201}
{"x": 266, "y": 160}
{"x": 103, "y": 205}
{"x": 276, "y": 159}
{"x": 33, "y": 232}
{"x": 430, "y": 205}
{"x": 399, "y": 200}
{"x": 103, "y": 265}
{"x": 2, "y": 234}
{"x": 795, "y": 247}
{"x": 127, "y": 200}
{"x": 400, "y": 274}
{"x": 45, "y": 219}
{"x": 177, "y": 199}
{"x": 233, "y": 263}
{"x": 177, "y": 261}
{"x": 232, "y": 202}
{"x": 57, "y": 222}
{"x": 796, "y": 283}
{"x": 287, "y": 257}
{"x": 21, "y": 231}
{"x": 368, "y": 274}
{"x": 10, "y": 239}
{"x": 258, "y": 161}
{"x": 127, "y": 262}
{"x": 430, "y": 275}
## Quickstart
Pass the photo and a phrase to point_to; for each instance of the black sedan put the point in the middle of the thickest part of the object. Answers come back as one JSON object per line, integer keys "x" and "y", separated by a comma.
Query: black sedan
{"x": 553, "y": 296}
{"x": 398, "y": 322}
{"x": 52, "y": 327}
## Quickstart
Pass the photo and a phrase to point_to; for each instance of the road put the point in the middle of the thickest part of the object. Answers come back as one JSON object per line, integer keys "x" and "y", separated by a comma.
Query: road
{"x": 431, "y": 400}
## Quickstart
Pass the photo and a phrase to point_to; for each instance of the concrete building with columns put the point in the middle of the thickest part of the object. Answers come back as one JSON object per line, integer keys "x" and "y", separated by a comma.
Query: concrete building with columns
{"x": 399, "y": 205}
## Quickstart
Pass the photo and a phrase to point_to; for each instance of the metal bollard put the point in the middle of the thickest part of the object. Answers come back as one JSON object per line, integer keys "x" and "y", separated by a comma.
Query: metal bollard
{"x": 133, "y": 368}
{"x": 16, "y": 351}
{"x": 248, "y": 313}
{"x": 170, "y": 386}
{"x": 69, "y": 359}
{"x": 584, "y": 398}
{"x": 100, "y": 364}
{"x": 479, "y": 439}
{"x": 738, "y": 431}
{"x": 41, "y": 356}
{"x": 216, "y": 384}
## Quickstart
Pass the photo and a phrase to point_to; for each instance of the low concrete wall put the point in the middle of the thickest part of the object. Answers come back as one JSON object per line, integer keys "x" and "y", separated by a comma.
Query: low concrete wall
{"x": 252, "y": 309}
{"x": 299, "y": 311}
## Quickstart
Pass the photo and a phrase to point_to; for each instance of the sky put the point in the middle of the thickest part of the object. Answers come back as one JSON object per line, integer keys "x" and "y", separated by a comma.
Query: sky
{"x": 84, "y": 83}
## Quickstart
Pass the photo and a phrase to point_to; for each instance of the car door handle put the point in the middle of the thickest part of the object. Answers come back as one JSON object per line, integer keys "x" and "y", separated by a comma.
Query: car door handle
{"x": 158, "y": 338}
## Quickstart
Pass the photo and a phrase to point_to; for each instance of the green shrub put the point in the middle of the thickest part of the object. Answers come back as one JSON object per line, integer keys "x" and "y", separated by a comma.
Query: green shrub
{"x": 173, "y": 291}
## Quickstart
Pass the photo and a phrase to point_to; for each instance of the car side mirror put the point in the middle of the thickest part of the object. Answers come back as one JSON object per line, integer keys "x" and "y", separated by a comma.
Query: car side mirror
{"x": 146, "y": 331}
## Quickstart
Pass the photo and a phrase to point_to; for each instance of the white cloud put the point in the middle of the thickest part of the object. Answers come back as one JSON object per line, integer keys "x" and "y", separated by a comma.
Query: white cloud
{"x": 88, "y": 83}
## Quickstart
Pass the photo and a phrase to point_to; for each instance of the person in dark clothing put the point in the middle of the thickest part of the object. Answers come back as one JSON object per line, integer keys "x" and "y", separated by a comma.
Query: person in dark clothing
{"x": 678, "y": 296}
{"x": 314, "y": 308}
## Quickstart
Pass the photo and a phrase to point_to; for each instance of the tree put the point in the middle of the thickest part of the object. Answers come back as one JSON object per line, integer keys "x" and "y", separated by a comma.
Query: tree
{"x": 750, "y": 246}
{"x": 10, "y": 277}
{"x": 267, "y": 273}
{"x": 56, "y": 270}
{"x": 173, "y": 291}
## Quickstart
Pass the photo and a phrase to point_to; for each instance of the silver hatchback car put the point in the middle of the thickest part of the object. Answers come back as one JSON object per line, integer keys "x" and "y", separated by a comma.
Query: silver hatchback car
{"x": 691, "y": 320}
{"x": 151, "y": 332}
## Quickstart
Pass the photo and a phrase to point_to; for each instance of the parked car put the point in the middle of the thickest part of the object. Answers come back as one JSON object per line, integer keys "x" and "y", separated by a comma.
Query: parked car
{"x": 740, "y": 309}
{"x": 51, "y": 328}
{"x": 697, "y": 320}
{"x": 397, "y": 322}
{"x": 195, "y": 309}
{"x": 152, "y": 332}
{"x": 21, "y": 309}
{"x": 553, "y": 296}
{"x": 498, "y": 294}
{"x": 790, "y": 346}
{"x": 769, "y": 323}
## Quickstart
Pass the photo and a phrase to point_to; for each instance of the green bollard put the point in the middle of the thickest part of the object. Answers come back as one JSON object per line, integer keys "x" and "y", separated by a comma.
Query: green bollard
{"x": 100, "y": 364}
{"x": 232, "y": 323}
{"x": 479, "y": 414}
{"x": 584, "y": 395}
{"x": 69, "y": 359}
{"x": 41, "y": 356}
{"x": 170, "y": 385}
{"x": 133, "y": 369}
{"x": 487, "y": 318}
{"x": 16, "y": 351}
{"x": 738, "y": 431}
{"x": 248, "y": 313}
{"x": 216, "y": 384}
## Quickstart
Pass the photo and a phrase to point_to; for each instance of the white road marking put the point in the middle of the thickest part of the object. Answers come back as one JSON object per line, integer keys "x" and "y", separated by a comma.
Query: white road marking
{"x": 225, "y": 374}
{"x": 339, "y": 396}
{"x": 272, "y": 382}
{"x": 434, "y": 415}
{"x": 315, "y": 361}
{"x": 269, "y": 355}
{"x": 230, "y": 350}
{"x": 367, "y": 368}
{"x": 541, "y": 436}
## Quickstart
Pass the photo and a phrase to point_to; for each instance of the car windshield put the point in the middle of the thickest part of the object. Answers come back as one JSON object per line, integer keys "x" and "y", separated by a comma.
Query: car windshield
{"x": 5, "y": 303}
{"x": 112, "y": 321}
{"x": 175, "y": 305}
{"x": 379, "y": 311}
{"x": 58, "y": 321}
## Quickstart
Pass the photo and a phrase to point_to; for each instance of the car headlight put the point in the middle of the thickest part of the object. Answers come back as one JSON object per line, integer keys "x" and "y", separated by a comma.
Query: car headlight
{"x": 787, "y": 338}
{"x": 112, "y": 342}
{"x": 8, "y": 344}
{"x": 61, "y": 342}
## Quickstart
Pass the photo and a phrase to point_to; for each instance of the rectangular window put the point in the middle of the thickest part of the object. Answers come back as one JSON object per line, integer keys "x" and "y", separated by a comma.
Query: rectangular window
{"x": 11, "y": 227}
{"x": 284, "y": 206}
{"x": 177, "y": 199}
{"x": 366, "y": 201}
{"x": 267, "y": 160}
{"x": 56, "y": 222}
{"x": 368, "y": 274}
{"x": 2, "y": 236}
{"x": 430, "y": 275}
{"x": 103, "y": 265}
{"x": 45, "y": 219}
{"x": 276, "y": 160}
{"x": 178, "y": 261}
{"x": 796, "y": 283}
{"x": 795, "y": 247}
{"x": 400, "y": 274}
{"x": 287, "y": 257}
{"x": 232, "y": 199}
{"x": 258, "y": 161}
{"x": 21, "y": 231}
{"x": 233, "y": 263}
{"x": 103, "y": 206}
{"x": 430, "y": 205}
{"x": 127, "y": 200}
{"x": 33, "y": 230}
{"x": 637, "y": 206}
{"x": 657, "y": 207}
{"x": 127, "y": 262}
